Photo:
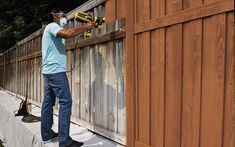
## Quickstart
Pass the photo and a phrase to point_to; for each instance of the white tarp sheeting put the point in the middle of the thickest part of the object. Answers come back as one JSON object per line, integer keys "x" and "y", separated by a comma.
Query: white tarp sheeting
{"x": 15, "y": 133}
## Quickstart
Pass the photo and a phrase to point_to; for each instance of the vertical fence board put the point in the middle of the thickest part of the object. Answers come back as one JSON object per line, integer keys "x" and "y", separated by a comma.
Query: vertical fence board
{"x": 191, "y": 94}
{"x": 93, "y": 81}
{"x": 110, "y": 10}
{"x": 173, "y": 78}
{"x": 121, "y": 9}
{"x": 35, "y": 78}
{"x": 76, "y": 83}
{"x": 213, "y": 80}
{"x": 229, "y": 108}
{"x": 143, "y": 76}
{"x": 96, "y": 77}
{"x": 173, "y": 85}
{"x": 98, "y": 85}
{"x": 85, "y": 84}
{"x": 157, "y": 76}
{"x": 110, "y": 86}
{"x": 110, "y": 83}
{"x": 121, "y": 109}
{"x": 42, "y": 83}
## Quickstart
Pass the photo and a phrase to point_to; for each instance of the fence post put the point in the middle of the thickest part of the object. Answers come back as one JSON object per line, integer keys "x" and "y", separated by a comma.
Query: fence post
{"x": 16, "y": 61}
{"x": 4, "y": 66}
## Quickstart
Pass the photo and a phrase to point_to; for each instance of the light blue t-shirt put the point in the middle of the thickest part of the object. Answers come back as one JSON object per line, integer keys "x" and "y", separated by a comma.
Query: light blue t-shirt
{"x": 53, "y": 50}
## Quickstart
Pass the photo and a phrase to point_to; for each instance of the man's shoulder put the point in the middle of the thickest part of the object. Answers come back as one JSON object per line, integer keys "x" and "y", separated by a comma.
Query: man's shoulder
{"x": 52, "y": 25}
{"x": 52, "y": 28}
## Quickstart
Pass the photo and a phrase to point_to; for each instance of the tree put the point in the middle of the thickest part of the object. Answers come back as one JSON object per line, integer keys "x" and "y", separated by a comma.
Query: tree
{"x": 20, "y": 18}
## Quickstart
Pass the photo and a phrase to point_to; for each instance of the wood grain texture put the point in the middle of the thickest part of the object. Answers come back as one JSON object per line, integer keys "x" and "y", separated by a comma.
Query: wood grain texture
{"x": 143, "y": 76}
{"x": 173, "y": 77}
{"x": 229, "y": 102}
{"x": 184, "y": 16}
{"x": 85, "y": 85}
{"x": 110, "y": 10}
{"x": 157, "y": 76}
{"x": 121, "y": 9}
{"x": 191, "y": 94}
{"x": 120, "y": 83}
{"x": 213, "y": 74}
{"x": 130, "y": 94}
{"x": 173, "y": 86}
{"x": 121, "y": 104}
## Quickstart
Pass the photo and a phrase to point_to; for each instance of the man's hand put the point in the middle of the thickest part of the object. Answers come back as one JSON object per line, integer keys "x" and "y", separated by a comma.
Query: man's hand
{"x": 90, "y": 25}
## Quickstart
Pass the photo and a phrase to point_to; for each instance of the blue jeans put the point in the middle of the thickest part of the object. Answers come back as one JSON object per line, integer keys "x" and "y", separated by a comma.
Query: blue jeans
{"x": 56, "y": 85}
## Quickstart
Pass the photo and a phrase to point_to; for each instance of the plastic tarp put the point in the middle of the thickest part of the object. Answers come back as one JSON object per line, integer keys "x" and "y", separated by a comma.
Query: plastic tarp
{"x": 15, "y": 133}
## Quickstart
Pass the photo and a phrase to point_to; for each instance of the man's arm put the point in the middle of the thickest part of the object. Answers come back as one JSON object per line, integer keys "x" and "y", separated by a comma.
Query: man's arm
{"x": 72, "y": 32}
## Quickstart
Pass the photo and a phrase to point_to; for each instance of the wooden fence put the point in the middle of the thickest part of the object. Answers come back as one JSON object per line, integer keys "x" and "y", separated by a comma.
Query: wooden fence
{"x": 180, "y": 73}
{"x": 173, "y": 71}
{"x": 95, "y": 70}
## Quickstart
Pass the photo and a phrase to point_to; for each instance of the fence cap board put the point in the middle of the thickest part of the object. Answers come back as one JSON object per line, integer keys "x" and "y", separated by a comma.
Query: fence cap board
{"x": 32, "y": 36}
{"x": 85, "y": 7}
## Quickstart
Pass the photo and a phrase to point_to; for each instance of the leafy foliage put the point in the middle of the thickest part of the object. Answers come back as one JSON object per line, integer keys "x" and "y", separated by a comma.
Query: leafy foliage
{"x": 1, "y": 145}
{"x": 20, "y": 18}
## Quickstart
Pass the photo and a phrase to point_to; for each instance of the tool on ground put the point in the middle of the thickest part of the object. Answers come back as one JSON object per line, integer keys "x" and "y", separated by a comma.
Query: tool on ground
{"x": 23, "y": 108}
{"x": 24, "y": 111}
{"x": 86, "y": 17}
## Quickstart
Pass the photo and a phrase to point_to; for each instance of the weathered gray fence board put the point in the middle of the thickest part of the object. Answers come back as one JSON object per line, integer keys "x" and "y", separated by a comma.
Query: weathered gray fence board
{"x": 120, "y": 88}
{"x": 40, "y": 79}
{"x": 76, "y": 91}
{"x": 97, "y": 86}
{"x": 85, "y": 84}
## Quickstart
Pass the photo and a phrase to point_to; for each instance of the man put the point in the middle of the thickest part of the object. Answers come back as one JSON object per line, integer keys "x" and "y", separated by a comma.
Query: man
{"x": 55, "y": 79}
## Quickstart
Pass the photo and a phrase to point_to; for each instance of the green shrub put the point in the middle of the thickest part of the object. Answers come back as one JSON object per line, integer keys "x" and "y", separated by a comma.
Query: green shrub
{"x": 1, "y": 145}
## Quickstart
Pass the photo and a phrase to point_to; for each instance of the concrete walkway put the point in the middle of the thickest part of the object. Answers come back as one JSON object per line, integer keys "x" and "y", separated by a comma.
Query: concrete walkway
{"x": 15, "y": 133}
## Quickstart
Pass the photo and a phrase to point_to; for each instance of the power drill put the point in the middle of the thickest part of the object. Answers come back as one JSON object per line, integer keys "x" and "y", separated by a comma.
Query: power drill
{"x": 86, "y": 17}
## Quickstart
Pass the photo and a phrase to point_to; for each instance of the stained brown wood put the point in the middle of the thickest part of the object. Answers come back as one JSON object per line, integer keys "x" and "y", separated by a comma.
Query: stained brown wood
{"x": 187, "y": 15}
{"x": 173, "y": 86}
{"x": 191, "y": 93}
{"x": 213, "y": 73}
{"x": 229, "y": 108}
{"x": 173, "y": 77}
{"x": 121, "y": 9}
{"x": 143, "y": 76}
{"x": 140, "y": 144}
{"x": 110, "y": 10}
{"x": 130, "y": 75}
{"x": 186, "y": 65}
{"x": 157, "y": 77}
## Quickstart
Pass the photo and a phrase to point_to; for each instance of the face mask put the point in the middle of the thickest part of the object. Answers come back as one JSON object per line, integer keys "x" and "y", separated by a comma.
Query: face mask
{"x": 63, "y": 22}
